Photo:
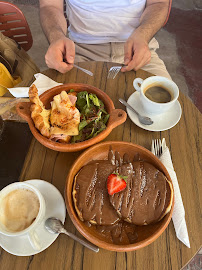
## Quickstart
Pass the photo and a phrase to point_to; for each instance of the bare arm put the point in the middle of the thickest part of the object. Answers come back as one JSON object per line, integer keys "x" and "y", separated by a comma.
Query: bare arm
{"x": 137, "y": 52}
{"x": 153, "y": 18}
{"x": 54, "y": 26}
{"x": 52, "y": 19}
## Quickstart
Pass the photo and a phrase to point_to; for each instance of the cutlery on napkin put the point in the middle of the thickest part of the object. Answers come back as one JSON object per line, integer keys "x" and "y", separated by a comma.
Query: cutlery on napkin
{"x": 178, "y": 216}
{"x": 42, "y": 83}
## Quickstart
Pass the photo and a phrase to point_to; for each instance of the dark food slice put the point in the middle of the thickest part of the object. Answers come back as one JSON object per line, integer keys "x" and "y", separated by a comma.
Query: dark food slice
{"x": 146, "y": 199}
{"x": 90, "y": 194}
{"x": 147, "y": 196}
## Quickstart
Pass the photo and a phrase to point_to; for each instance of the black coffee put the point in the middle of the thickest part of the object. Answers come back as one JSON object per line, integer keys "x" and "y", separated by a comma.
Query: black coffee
{"x": 158, "y": 94}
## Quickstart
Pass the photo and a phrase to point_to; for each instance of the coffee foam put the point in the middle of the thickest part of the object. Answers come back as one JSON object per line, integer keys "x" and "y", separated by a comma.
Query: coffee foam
{"x": 18, "y": 209}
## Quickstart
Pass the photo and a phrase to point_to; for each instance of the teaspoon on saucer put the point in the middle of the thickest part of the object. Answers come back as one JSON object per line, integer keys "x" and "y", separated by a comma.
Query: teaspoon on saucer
{"x": 143, "y": 119}
{"x": 54, "y": 225}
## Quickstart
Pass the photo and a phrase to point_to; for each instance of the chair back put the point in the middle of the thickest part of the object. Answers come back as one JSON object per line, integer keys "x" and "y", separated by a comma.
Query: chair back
{"x": 13, "y": 24}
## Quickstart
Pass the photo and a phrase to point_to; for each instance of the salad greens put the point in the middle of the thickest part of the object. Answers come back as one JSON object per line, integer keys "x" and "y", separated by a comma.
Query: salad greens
{"x": 93, "y": 116}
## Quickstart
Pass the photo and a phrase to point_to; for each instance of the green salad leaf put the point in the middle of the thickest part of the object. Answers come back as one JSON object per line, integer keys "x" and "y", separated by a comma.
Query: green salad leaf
{"x": 94, "y": 99}
{"x": 93, "y": 116}
{"x": 105, "y": 118}
{"x": 81, "y": 100}
{"x": 87, "y": 100}
{"x": 76, "y": 138}
{"x": 82, "y": 124}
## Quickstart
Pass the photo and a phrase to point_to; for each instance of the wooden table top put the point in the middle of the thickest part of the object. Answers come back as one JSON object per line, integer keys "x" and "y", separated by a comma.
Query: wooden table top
{"x": 183, "y": 140}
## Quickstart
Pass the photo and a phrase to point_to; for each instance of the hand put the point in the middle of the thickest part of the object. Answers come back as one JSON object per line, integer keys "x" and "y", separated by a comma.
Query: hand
{"x": 137, "y": 53}
{"x": 58, "y": 51}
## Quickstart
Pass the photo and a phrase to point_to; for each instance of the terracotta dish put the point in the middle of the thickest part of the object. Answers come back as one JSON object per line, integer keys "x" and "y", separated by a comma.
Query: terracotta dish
{"x": 147, "y": 233}
{"x": 117, "y": 117}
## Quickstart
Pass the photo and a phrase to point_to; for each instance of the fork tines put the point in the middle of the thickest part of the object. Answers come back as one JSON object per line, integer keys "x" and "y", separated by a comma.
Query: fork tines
{"x": 113, "y": 72}
{"x": 157, "y": 147}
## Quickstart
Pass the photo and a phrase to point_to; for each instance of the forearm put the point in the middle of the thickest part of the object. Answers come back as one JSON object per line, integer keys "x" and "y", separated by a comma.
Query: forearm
{"x": 152, "y": 19}
{"x": 53, "y": 23}
{"x": 136, "y": 50}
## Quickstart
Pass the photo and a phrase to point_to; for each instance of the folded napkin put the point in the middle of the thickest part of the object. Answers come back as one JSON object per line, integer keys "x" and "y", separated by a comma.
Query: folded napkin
{"x": 42, "y": 83}
{"x": 178, "y": 216}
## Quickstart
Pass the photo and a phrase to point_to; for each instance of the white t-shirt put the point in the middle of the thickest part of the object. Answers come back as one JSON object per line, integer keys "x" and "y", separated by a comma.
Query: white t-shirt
{"x": 102, "y": 21}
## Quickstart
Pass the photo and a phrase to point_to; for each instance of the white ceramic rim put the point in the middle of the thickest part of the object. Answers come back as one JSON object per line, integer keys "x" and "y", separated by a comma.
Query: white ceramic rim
{"x": 160, "y": 79}
{"x": 23, "y": 185}
{"x": 176, "y": 108}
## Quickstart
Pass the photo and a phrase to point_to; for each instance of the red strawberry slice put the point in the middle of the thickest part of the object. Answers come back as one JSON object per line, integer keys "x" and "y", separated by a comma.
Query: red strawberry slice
{"x": 115, "y": 183}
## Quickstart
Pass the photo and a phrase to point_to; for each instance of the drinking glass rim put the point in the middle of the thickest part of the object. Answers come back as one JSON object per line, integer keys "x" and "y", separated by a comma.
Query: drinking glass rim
{"x": 176, "y": 93}
{"x": 20, "y": 185}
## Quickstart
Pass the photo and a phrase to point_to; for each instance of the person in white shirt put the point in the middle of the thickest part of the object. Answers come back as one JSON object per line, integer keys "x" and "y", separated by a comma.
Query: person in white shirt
{"x": 119, "y": 31}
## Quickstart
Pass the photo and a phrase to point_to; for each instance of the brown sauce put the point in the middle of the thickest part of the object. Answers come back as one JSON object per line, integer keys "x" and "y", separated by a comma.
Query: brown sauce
{"x": 119, "y": 218}
{"x": 121, "y": 233}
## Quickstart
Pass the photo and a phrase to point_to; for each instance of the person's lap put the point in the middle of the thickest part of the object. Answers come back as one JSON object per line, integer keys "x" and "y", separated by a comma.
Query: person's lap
{"x": 114, "y": 52}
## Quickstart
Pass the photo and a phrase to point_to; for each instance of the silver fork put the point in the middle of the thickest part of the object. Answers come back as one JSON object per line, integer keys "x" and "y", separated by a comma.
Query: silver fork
{"x": 158, "y": 147}
{"x": 113, "y": 72}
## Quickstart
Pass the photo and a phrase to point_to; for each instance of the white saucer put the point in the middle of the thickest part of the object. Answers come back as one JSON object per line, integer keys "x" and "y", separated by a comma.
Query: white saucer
{"x": 55, "y": 207}
{"x": 162, "y": 121}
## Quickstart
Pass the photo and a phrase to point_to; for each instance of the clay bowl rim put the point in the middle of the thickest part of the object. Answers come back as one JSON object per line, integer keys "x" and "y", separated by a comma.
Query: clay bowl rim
{"x": 117, "y": 117}
{"x": 82, "y": 160}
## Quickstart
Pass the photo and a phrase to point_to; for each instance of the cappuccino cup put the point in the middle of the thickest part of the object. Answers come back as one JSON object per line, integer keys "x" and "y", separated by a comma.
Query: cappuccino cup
{"x": 22, "y": 209}
{"x": 157, "y": 94}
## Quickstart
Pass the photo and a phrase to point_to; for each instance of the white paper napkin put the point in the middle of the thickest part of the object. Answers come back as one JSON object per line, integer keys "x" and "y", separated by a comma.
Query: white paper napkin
{"x": 42, "y": 83}
{"x": 178, "y": 216}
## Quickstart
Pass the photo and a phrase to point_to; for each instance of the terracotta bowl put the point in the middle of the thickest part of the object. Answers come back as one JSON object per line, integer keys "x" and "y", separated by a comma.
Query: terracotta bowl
{"x": 146, "y": 234}
{"x": 117, "y": 117}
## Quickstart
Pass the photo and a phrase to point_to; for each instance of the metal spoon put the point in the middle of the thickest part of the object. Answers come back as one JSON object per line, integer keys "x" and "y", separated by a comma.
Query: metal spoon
{"x": 54, "y": 225}
{"x": 143, "y": 119}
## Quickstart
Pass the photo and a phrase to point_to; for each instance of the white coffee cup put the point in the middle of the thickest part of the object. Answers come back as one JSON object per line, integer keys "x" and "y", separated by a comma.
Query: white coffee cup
{"x": 31, "y": 230}
{"x": 149, "y": 106}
